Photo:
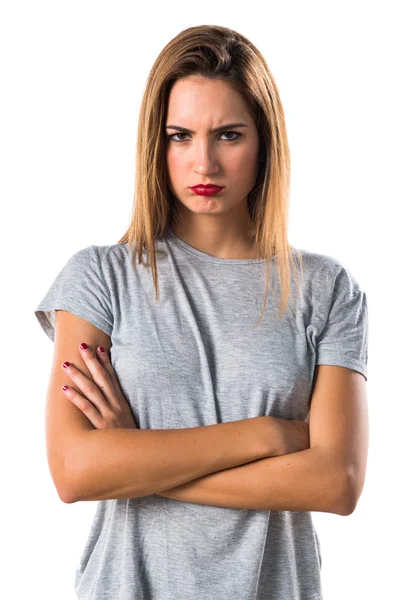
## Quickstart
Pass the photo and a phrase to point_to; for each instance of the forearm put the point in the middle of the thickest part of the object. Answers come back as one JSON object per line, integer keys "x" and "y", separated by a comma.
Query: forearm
{"x": 128, "y": 463}
{"x": 299, "y": 481}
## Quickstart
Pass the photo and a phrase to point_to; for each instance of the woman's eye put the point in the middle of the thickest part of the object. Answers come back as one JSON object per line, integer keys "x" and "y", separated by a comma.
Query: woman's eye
{"x": 234, "y": 133}
{"x": 171, "y": 137}
{"x": 223, "y": 133}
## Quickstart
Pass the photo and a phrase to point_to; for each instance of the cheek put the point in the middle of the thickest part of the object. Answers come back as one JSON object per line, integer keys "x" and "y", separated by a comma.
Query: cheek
{"x": 244, "y": 166}
{"x": 246, "y": 160}
{"x": 175, "y": 171}
{"x": 245, "y": 154}
{"x": 174, "y": 162}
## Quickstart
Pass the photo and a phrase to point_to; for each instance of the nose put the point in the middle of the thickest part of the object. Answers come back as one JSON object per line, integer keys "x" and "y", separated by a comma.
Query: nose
{"x": 205, "y": 160}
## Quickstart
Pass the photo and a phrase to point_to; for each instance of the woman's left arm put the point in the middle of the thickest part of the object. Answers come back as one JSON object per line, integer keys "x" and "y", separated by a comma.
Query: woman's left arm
{"x": 327, "y": 477}
{"x": 300, "y": 481}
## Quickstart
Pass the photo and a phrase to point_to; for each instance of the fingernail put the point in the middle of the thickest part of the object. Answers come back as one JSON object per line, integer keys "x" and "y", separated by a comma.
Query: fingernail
{"x": 66, "y": 364}
{"x": 101, "y": 349}
{"x": 83, "y": 346}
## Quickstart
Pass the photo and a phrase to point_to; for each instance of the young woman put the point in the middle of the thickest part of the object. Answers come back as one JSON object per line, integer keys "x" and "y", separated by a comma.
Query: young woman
{"x": 213, "y": 423}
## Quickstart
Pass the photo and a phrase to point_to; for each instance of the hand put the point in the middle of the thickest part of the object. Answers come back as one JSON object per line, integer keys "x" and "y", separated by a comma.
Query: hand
{"x": 107, "y": 408}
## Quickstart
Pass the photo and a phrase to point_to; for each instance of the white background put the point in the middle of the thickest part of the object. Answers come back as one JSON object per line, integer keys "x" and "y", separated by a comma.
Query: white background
{"x": 72, "y": 77}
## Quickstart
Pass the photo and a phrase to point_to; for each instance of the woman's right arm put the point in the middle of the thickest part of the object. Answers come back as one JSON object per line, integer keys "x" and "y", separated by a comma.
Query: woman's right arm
{"x": 91, "y": 464}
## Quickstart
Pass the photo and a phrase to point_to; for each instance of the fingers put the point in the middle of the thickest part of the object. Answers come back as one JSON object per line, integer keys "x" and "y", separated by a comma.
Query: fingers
{"x": 89, "y": 390}
{"x": 105, "y": 361}
{"x": 101, "y": 375}
{"x": 88, "y": 409}
{"x": 101, "y": 392}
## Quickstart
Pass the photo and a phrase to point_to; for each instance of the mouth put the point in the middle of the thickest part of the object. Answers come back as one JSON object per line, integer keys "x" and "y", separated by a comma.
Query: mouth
{"x": 206, "y": 190}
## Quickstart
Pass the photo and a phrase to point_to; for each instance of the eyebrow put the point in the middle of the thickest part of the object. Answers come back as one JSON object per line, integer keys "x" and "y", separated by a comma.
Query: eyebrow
{"x": 222, "y": 128}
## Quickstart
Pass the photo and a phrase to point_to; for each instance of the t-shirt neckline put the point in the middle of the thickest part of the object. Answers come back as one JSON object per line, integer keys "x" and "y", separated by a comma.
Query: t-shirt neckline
{"x": 169, "y": 234}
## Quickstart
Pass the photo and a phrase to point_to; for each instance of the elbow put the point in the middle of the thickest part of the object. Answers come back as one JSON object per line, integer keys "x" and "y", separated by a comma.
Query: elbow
{"x": 345, "y": 501}
{"x": 353, "y": 487}
{"x": 66, "y": 491}
{"x": 61, "y": 479}
{"x": 66, "y": 486}
{"x": 66, "y": 496}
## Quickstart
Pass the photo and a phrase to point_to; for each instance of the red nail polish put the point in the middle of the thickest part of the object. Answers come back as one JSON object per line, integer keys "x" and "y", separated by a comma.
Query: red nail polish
{"x": 83, "y": 346}
{"x": 65, "y": 388}
{"x": 66, "y": 364}
{"x": 101, "y": 349}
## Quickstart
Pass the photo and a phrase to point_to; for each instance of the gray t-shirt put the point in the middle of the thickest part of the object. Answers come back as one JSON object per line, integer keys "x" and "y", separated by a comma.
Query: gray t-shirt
{"x": 195, "y": 358}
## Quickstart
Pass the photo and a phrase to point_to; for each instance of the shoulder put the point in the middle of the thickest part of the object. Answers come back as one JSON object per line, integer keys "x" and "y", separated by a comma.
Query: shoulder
{"x": 111, "y": 252}
{"x": 319, "y": 262}
{"x": 327, "y": 279}
{"x": 95, "y": 258}
{"x": 327, "y": 268}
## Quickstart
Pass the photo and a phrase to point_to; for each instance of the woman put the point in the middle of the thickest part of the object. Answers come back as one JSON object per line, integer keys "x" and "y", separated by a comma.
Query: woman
{"x": 200, "y": 451}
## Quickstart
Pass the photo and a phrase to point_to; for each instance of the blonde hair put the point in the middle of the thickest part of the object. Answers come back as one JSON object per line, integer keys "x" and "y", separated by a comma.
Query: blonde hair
{"x": 219, "y": 53}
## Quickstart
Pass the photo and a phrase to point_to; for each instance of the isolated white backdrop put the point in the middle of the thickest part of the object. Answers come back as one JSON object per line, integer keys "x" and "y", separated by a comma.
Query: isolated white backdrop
{"x": 72, "y": 77}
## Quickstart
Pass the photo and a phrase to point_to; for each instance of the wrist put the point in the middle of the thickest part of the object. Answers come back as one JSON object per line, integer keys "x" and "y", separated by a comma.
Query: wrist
{"x": 273, "y": 438}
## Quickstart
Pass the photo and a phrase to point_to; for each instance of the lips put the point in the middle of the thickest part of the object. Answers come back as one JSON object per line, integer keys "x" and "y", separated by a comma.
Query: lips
{"x": 208, "y": 185}
{"x": 206, "y": 190}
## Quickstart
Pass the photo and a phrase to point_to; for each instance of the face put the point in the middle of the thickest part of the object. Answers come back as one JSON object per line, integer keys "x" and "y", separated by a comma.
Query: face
{"x": 226, "y": 158}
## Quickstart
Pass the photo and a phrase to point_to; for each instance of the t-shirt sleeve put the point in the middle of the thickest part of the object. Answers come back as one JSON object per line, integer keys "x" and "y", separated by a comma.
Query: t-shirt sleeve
{"x": 79, "y": 288}
{"x": 343, "y": 340}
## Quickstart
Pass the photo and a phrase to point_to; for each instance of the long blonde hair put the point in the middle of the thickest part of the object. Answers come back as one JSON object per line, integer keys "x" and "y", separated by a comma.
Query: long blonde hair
{"x": 219, "y": 53}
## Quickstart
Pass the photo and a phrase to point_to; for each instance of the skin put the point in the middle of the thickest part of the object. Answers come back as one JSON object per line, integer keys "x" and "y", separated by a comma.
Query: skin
{"x": 217, "y": 225}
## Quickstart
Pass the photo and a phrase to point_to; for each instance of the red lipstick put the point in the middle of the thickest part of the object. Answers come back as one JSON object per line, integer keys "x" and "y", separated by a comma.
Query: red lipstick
{"x": 206, "y": 190}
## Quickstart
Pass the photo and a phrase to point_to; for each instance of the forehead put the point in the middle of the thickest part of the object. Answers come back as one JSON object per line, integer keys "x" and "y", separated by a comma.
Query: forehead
{"x": 196, "y": 96}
